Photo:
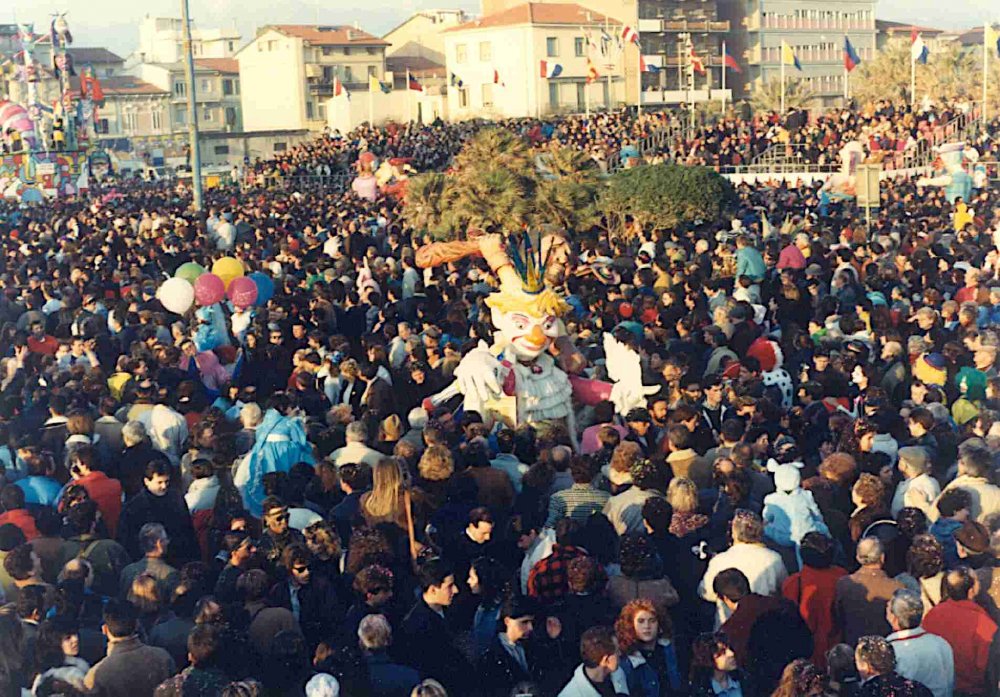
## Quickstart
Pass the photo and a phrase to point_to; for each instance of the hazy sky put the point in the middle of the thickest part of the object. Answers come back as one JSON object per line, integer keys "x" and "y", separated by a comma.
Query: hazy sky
{"x": 112, "y": 23}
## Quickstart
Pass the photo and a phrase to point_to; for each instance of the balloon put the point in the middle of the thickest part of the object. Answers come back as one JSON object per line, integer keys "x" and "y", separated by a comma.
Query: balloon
{"x": 176, "y": 295}
{"x": 189, "y": 271}
{"x": 227, "y": 269}
{"x": 209, "y": 289}
{"x": 265, "y": 287}
{"x": 242, "y": 291}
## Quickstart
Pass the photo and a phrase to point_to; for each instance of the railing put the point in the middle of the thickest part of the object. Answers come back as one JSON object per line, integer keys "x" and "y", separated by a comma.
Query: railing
{"x": 339, "y": 181}
{"x": 779, "y": 157}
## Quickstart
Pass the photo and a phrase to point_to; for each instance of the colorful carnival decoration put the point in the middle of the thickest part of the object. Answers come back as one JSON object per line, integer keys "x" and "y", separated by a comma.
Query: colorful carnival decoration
{"x": 176, "y": 295}
{"x": 843, "y": 183}
{"x": 519, "y": 379}
{"x": 956, "y": 181}
{"x": 227, "y": 268}
{"x": 14, "y": 118}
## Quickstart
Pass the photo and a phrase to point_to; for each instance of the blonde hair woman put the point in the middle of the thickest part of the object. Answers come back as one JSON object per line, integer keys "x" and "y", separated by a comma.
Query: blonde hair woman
{"x": 389, "y": 433}
{"x": 386, "y": 502}
{"x": 436, "y": 467}
{"x": 682, "y": 495}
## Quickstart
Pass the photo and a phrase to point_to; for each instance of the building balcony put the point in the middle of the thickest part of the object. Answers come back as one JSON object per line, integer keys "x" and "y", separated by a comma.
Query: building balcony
{"x": 661, "y": 26}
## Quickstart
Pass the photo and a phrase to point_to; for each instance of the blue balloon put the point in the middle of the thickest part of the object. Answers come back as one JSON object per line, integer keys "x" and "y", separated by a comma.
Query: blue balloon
{"x": 265, "y": 287}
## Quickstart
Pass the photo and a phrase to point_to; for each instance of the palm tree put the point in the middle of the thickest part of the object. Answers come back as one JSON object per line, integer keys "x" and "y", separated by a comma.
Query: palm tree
{"x": 496, "y": 146}
{"x": 951, "y": 73}
{"x": 767, "y": 97}
{"x": 567, "y": 189}
{"x": 491, "y": 198}
{"x": 426, "y": 203}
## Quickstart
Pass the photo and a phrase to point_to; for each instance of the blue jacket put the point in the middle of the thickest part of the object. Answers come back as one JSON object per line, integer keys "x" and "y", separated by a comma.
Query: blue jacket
{"x": 750, "y": 263}
{"x": 390, "y": 679}
{"x": 944, "y": 530}
{"x": 642, "y": 679}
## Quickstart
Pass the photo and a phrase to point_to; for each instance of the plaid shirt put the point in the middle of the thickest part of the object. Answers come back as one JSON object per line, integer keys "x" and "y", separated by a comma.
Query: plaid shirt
{"x": 548, "y": 581}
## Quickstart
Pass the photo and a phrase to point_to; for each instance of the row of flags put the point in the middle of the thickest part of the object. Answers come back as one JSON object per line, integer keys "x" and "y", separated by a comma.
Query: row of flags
{"x": 919, "y": 53}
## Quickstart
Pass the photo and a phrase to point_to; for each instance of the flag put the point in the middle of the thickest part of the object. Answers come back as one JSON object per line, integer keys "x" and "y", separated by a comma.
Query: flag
{"x": 630, "y": 35}
{"x": 646, "y": 67}
{"x": 991, "y": 39}
{"x": 496, "y": 78}
{"x": 696, "y": 63}
{"x": 414, "y": 85}
{"x": 788, "y": 56}
{"x": 851, "y": 58}
{"x": 456, "y": 81}
{"x": 592, "y": 74}
{"x": 729, "y": 62}
{"x": 918, "y": 49}
{"x": 375, "y": 84}
{"x": 548, "y": 70}
{"x": 339, "y": 89}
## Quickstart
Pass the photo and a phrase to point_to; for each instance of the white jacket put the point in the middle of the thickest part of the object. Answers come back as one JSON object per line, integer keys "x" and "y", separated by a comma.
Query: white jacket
{"x": 762, "y": 567}
{"x": 579, "y": 685}
{"x": 985, "y": 497}
{"x": 920, "y": 492}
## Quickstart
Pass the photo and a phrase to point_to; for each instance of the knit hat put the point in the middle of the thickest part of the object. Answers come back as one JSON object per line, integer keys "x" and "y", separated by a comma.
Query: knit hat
{"x": 787, "y": 476}
{"x": 767, "y": 352}
{"x": 975, "y": 383}
{"x": 974, "y": 537}
{"x": 930, "y": 369}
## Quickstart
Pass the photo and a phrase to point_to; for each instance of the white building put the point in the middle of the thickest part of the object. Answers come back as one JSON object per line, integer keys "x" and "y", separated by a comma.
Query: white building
{"x": 514, "y": 42}
{"x": 421, "y": 36}
{"x": 161, "y": 40}
{"x": 287, "y": 72}
{"x": 217, "y": 92}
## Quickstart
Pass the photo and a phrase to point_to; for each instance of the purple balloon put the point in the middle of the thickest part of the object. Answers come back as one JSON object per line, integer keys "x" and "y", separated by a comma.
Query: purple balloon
{"x": 208, "y": 289}
{"x": 242, "y": 291}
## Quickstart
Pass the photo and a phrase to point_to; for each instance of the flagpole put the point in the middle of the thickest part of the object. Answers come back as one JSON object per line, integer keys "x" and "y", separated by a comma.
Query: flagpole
{"x": 638, "y": 81}
{"x": 723, "y": 77}
{"x": 586, "y": 97}
{"x": 986, "y": 66}
{"x": 847, "y": 85}
{"x": 782, "y": 78}
{"x": 371, "y": 105}
{"x": 611, "y": 70}
{"x": 913, "y": 78}
{"x": 409, "y": 99}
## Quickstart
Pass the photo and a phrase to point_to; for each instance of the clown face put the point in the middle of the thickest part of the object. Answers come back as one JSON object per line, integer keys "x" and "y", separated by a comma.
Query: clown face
{"x": 528, "y": 335}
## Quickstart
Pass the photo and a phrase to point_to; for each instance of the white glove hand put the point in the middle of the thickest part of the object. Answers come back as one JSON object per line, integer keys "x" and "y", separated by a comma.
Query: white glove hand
{"x": 477, "y": 374}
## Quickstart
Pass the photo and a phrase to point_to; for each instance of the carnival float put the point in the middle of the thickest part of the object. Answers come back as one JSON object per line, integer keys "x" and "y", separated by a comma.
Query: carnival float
{"x": 46, "y": 123}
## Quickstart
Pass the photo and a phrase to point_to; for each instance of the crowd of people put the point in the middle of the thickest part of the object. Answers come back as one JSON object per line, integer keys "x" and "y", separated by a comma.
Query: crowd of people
{"x": 808, "y": 503}
{"x": 886, "y": 130}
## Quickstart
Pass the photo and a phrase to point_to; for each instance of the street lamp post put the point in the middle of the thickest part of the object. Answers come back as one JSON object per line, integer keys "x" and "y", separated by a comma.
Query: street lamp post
{"x": 192, "y": 108}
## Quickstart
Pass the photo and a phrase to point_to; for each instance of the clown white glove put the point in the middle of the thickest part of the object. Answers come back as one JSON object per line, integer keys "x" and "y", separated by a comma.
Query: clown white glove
{"x": 478, "y": 374}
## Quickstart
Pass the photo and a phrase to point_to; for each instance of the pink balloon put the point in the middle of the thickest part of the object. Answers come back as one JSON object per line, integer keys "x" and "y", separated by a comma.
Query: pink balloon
{"x": 242, "y": 291}
{"x": 208, "y": 289}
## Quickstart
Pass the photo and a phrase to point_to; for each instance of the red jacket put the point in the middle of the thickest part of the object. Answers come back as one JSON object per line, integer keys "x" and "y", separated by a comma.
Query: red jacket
{"x": 813, "y": 591}
{"x": 22, "y": 519}
{"x": 47, "y": 345}
{"x": 107, "y": 494}
{"x": 969, "y": 630}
